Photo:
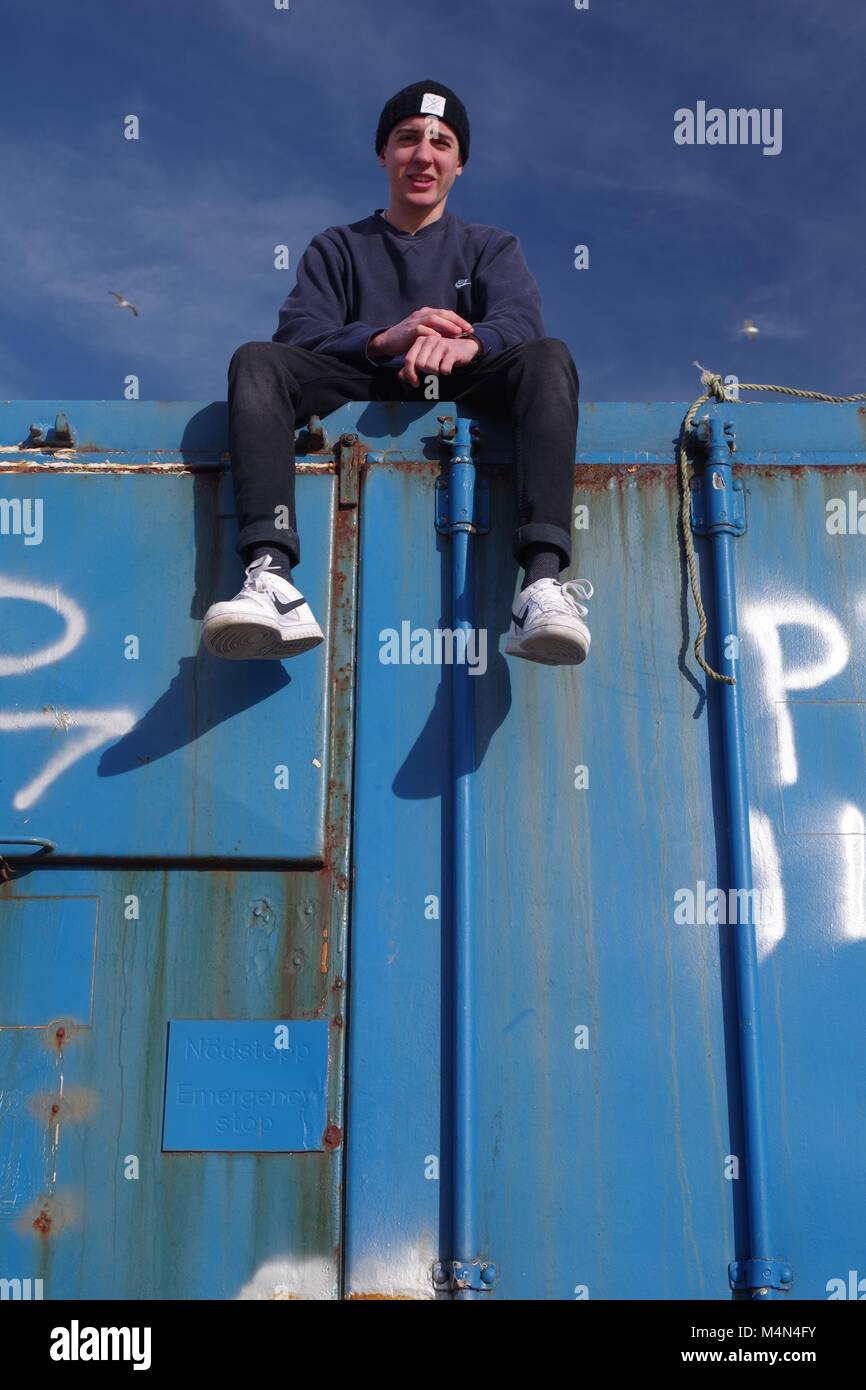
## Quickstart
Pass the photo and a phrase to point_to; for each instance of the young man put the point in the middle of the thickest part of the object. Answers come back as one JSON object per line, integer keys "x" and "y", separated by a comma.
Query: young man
{"x": 379, "y": 305}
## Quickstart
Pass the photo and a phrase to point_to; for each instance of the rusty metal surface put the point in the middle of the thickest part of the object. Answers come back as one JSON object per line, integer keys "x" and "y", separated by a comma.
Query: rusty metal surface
{"x": 603, "y": 1165}
{"x": 89, "y": 1203}
{"x": 605, "y": 1155}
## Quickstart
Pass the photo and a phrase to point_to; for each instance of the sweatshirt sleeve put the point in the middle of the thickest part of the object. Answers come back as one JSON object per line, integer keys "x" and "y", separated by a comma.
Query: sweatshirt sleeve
{"x": 510, "y": 297}
{"x": 313, "y": 315}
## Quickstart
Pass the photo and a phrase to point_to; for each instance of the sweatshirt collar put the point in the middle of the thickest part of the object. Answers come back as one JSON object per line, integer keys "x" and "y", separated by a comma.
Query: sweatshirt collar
{"x": 413, "y": 236}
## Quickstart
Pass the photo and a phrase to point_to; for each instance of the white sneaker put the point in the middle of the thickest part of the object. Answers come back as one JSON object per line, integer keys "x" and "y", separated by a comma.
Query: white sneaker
{"x": 549, "y": 628}
{"x": 268, "y": 618}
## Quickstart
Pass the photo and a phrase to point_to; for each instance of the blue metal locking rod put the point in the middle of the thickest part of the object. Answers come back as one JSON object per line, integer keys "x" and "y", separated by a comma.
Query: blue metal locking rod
{"x": 469, "y": 1275}
{"x": 760, "y": 1275}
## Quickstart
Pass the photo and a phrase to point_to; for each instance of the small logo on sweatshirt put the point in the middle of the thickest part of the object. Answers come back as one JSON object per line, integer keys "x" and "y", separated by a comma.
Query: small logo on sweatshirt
{"x": 458, "y": 284}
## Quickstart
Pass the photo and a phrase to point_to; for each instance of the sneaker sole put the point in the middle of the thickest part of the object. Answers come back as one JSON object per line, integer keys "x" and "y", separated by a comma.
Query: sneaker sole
{"x": 240, "y": 639}
{"x": 550, "y": 646}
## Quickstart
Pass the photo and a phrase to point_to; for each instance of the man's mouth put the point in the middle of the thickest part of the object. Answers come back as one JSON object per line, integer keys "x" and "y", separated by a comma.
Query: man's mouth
{"x": 421, "y": 180}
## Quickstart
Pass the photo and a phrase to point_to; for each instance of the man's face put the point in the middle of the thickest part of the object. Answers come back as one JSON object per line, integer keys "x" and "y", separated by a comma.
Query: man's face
{"x": 422, "y": 158}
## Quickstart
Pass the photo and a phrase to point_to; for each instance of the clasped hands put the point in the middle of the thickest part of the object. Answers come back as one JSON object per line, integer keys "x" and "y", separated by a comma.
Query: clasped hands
{"x": 431, "y": 340}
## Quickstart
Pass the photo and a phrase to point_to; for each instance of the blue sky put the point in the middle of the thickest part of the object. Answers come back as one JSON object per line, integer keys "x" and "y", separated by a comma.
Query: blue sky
{"x": 257, "y": 128}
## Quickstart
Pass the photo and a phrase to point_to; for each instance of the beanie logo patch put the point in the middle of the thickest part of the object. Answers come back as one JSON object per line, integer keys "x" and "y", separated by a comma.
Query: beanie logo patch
{"x": 432, "y": 104}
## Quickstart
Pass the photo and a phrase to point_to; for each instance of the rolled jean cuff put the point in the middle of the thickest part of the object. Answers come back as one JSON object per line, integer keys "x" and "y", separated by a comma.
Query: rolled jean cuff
{"x": 266, "y": 533}
{"x": 542, "y": 531}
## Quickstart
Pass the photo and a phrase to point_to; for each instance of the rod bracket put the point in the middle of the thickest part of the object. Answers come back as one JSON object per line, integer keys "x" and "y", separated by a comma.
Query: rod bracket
{"x": 462, "y": 498}
{"x": 313, "y": 438}
{"x": 717, "y": 498}
{"x": 756, "y": 1276}
{"x": 480, "y": 1275}
{"x": 732, "y": 513}
{"x": 480, "y": 523}
{"x": 58, "y": 437}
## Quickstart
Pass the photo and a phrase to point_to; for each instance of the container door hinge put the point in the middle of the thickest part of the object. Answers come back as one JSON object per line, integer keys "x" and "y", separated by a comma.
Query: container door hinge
{"x": 350, "y": 456}
{"x": 480, "y": 1275}
{"x": 754, "y": 1276}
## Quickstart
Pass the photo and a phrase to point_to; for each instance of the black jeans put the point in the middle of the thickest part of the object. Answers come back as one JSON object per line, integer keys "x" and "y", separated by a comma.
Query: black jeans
{"x": 274, "y": 387}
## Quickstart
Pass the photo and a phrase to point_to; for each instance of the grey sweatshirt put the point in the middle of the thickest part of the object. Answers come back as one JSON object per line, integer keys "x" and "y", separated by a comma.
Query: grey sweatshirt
{"x": 353, "y": 281}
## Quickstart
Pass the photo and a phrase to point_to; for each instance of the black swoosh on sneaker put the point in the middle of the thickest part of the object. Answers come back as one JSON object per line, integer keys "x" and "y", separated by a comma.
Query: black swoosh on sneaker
{"x": 283, "y": 608}
{"x": 522, "y": 619}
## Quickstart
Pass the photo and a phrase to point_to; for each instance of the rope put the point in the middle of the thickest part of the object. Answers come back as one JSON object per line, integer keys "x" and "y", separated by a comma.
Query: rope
{"x": 714, "y": 389}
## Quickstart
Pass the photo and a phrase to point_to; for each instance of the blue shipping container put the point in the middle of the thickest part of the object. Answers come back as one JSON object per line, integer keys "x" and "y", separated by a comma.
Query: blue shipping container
{"x": 361, "y": 976}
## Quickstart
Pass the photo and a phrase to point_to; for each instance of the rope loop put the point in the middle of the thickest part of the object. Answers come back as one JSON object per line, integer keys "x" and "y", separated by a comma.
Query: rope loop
{"x": 714, "y": 389}
{"x": 712, "y": 383}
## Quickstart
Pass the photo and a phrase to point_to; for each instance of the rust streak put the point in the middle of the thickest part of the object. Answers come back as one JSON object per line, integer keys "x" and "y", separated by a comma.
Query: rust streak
{"x": 323, "y": 963}
{"x": 797, "y": 471}
{"x": 43, "y": 1223}
{"x": 597, "y": 477}
{"x": 73, "y": 1106}
{"x": 71, "y": 465}
{"x": 332, "y": 1137}
{"x": 49, "y": 1215}
{"x": 388, "y": 1297}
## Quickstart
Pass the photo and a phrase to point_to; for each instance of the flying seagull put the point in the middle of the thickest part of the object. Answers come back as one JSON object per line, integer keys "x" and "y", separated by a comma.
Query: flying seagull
{"x": 123, "y": 303}
{"x": 749, "y": 331}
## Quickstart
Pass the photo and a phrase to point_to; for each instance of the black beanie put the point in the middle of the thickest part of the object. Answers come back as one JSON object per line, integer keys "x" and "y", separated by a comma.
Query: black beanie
{"x": 425, "y": 99}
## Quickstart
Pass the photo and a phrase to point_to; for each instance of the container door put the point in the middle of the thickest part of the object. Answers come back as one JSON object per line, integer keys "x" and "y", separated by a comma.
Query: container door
{"x": 608, "y": 1131}
{"x": 172, "y": 971}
